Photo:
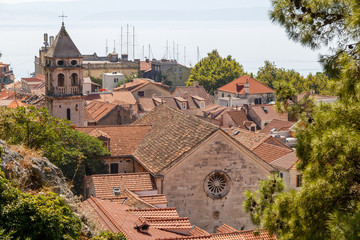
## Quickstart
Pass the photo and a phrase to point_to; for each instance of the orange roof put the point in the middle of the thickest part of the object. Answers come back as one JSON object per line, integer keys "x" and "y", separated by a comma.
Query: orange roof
{"x": 271, "y": 152}
{"x": 16, "y": 103}
{"x": 286, "y": 162}
{"x": 182, "y": 223}
{"x": 6, "y": 94}
{"x": 119, "y": 98}
{"x": 104, "y": 184}
{"x": 37, "y": 78}
{"x": 114, "y": 217}
{"x": 124, "y": 139}
{"x": 198, "y": 232}
{"x": 145, "y": 66}
{"x": 155, "y": 213}
{"x": 154, "y": 199}
{"x": 268, "y": 112}
{"x": 98, "y": 110}
{"x": 226, "y": 229}
{"x": 138, "y": 83}
{"x": 249, "y": 139}
{"x": 254, "y": 86}
{"x": 278, "y": 125}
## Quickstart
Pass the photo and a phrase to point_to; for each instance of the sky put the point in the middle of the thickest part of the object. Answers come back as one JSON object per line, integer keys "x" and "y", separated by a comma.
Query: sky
{"x": 240, "y": 28}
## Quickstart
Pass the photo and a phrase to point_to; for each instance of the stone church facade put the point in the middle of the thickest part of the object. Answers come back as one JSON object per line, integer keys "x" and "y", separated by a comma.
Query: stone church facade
{"x": 64, "y": 80}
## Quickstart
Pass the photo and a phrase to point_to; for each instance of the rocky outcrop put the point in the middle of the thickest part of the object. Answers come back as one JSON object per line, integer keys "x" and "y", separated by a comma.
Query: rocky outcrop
{"x": 32, "y": 172}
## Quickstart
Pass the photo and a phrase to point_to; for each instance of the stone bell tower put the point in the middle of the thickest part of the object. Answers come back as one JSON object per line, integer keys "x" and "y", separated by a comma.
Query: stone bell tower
{"x": 64, "y": 80}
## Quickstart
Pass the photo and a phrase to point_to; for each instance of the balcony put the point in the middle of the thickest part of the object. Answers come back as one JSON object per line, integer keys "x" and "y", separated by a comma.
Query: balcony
{"x": 60, "y": 91}
{"x": 74, "y": 90}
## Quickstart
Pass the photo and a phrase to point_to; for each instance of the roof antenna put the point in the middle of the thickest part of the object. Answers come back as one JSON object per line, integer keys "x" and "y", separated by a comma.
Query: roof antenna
{"x": 63, "y": 16}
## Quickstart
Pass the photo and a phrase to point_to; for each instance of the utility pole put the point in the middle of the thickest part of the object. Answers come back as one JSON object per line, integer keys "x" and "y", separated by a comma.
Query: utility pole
{"x": 114, "y": 47}
{"x": 121, "y": 39}
{"x": 184, "y": 56}
{"x": 149, "y": 51}
{"x": 198, "y": 54}
{"x": 167, "y": 49}
{"x": 127, "y": 39}
{"x": 134, "y": 42}
{"x": 177, "y": 53}
{"x": 173, "y": 50}
{"x": 107, "y": 48}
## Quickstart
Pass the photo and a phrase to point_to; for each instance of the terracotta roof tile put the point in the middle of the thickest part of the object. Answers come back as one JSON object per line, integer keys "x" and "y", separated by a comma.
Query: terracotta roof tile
{"x": 130, "y": 199}
{"x": 271, "y": 152}
{"x": 240, "y": 118}
{"x": 182, "y": 223}
{"x": 114, "y": 97}
{"x": 249, "y": 139}
{"x": 16, "y": 103}
{"x": 138, "y": 83}
{"x": 197, "y": 92}
{"x": 286, "y": 162}
{"x": 155, "y": 213}
{"x": 146, "y": 104}
{"x": 145, "y": 66}
{"x": 226, "y": 229}
{"x": 278, "y": 125}
{"x": 116, "y": 218}
{"x": 104, "y": 184}
{"x": 198, "y": 232}
{"x": 172, "y": 134}
{"x": 243, "y": 235}
{"x": 124, "y": 139}
{"x": 269, "y": 114}
{"x": 37, "y": 78}
{"x": 98, "y": 110}
{"x": 7, "y": 94}
{"x": 154, "y": 199}
{"x": 254, "y": 86}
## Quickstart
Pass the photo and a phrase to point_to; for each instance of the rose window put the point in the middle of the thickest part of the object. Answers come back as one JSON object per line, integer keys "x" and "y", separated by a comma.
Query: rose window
{"x": 217, "y": 184}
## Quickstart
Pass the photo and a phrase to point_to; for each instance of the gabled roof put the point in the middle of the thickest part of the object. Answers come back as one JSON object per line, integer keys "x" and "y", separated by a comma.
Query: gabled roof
{"x": 63, "y": 46}
{"x": 155, "y": 213}
{"x": 114, "y": 217}
{"x": 37, "y": 79}
{"x": 268, "y": 112}
{"x": 16, "y": 103}
{"x": 113, "y": 97}
{"x": 277, "y": 125}
{"x": 124, "y": 139}
{"x": 263, "y": 145}
{"x": 254, "y": 86}
{"x": 286, "y": 162}
{"x": 226, "y": 229}
{"x": 172, "y": 134}
{"x": 197, "y": 92}
{"x": 98, "y": 110}
{"x": 7, "y": 94}
{"x": 104, "y": 183}
{"x": 240, "y": 118}
{"x": 139, "y": 83}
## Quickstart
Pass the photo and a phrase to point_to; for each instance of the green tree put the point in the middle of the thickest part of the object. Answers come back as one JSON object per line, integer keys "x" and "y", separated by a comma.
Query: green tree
{"x": 214, "y": 71}
{"x": 41, "y": 216}
{"x": 109, "y": 236}
{"x": 327, "y": 206}
{"x": 74, "y": 152}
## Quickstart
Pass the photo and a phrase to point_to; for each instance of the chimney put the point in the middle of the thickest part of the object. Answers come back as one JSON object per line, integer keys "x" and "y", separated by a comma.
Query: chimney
{"x": 51, "y": 40}
{"x": 46, "y": 39}
{"x": 147, "y": 60}
{"x": 246, "y": 85}
{"x": 124, "y": 57}
{"x": 142, "y": 226}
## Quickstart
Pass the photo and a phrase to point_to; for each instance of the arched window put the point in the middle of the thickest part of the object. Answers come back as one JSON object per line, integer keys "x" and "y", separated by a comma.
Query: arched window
{"x": 61, "y": 80}
{"x": 74, "y": 79}
{"x": 68, "y": 114}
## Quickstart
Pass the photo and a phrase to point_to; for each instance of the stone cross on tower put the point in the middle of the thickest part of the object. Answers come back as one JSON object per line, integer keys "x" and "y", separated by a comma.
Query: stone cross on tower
{"x": 63, "y": 16}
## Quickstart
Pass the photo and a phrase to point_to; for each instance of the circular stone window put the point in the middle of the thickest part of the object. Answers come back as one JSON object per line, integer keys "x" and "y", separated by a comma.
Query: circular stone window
{"x": 60, "y": 62}
{"x": 73, "y": 62}
{"x": 217, "y": 184}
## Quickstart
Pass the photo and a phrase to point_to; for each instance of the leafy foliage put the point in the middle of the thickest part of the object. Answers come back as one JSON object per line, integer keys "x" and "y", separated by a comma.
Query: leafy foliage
{"x": 42, "y": 216}
{"x": 96, "y": 80}
{"x": 214, "y": 71}
{"x": 109, "y": 236}
{"x": 327, "y": 206}
{"x": 271, "y": 75}
{"x": 74, "y": 152}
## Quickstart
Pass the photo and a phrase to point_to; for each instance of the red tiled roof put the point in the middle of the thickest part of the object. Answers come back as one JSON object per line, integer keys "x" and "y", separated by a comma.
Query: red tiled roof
{"x": 37, "y": 78}
{"x": 104, "y": 184}
{"x": 124, "y": 139}
{"x": 145, "y": 66}
{"x": 172, "y": 134}
{"x": 286, "y": 162}
{"x": 146, "y": 104}
{"x": 249, "y": 139}
{"x": 16, "y": 103}
{"x": 138, "y": 83}
{"x": 254, "y": 86}
{"x": 271, "y": 152}
{"x": 198, "y": 232}
{"x": 243, "y": 235}
{"x": 154, "y": 199}
{"x": 269, "y": 114}
{"x": 155, "y": 213}
{"x": 278, "y": 125}
{"x": 115, "y": 217}
{"x": 226, "y": 229}
{"x": 98, "y": 110}
{"x": 182, "y": 223}
{"x": 240, "y": 118}
{"x": 6, "y": 94}
{"x": 114, "y": 97}
{"x": 190, "y": 92}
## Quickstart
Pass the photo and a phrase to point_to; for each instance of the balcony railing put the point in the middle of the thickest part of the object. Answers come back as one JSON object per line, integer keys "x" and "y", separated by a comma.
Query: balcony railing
{"x": 74, "y": 90}
{"x": 60, "y": 91}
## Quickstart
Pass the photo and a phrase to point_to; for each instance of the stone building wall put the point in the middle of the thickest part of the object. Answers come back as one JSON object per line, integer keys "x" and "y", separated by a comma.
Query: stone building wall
{"x": 151, "y": 89}
{"x": 185, "y": 185}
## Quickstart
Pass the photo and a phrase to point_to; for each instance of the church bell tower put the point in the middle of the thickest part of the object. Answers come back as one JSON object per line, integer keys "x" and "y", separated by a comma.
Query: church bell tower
{"x": 64, "y": 80}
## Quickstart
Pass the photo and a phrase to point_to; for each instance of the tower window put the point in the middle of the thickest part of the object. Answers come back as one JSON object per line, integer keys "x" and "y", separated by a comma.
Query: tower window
{"x": 74, "y": 79}
{"x": 61, "y": 80}
{"x": 73, "y": 62}
{"x": 68, "y": 114}
{"x": 60, "y": 62}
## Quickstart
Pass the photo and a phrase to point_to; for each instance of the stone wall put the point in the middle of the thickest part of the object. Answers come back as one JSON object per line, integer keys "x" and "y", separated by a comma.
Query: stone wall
{"x": 151, "y": 89}
{"x": 185, "y": 189}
